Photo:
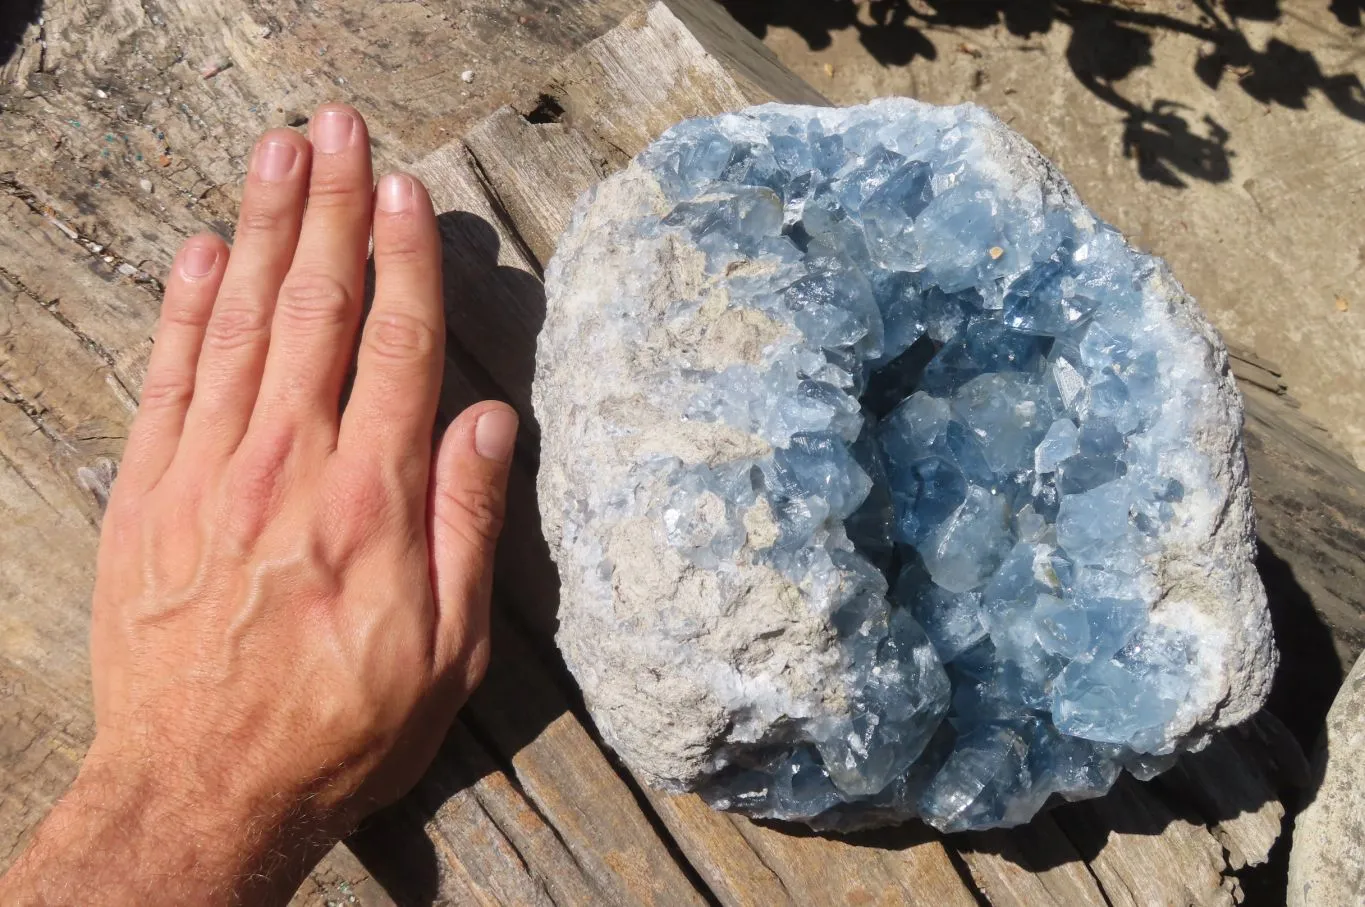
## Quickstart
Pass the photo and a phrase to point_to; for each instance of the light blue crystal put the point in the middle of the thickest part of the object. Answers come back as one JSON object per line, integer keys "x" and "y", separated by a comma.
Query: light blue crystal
{"x": 1060, "y": 442}
{"x": 970, "y": 543}
{"x": 969, "y": 431}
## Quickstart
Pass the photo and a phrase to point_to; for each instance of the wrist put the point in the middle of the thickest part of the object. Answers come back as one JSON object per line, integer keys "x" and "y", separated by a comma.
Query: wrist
{"x": 127, "y": 832}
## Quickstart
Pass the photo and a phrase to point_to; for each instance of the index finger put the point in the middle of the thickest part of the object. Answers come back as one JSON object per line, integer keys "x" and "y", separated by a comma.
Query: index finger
{"x": 398, "y": 370}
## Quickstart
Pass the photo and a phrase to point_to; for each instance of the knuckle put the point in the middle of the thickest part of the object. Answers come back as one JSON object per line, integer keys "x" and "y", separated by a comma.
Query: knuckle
{"x": 235, "y": 323}
{"x": 257, "y": 479}
{"x": 333, "y": 187}
{"x": 169, "y": 391}
{"x": 401, "y": 251}
{"x": 364, "y": 497}
{"x": 259, "y": 220}
{"x": 399, "y": 337}
{"x": 472, "y": 513}
{"x": 187, "y": 311}
{"x": 314, "y": 300}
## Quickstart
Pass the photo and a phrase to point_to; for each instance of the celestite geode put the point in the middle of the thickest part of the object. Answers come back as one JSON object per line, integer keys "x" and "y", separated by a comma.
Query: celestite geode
{"x": 884, "y": 479}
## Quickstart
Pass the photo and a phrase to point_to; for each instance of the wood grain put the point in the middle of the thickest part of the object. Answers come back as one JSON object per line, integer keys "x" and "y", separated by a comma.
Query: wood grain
{"x": 116, "y": 147}
{"x": 533, "y": 169}
{"x": 563, "y": 771}
{"x": 1034, "y": 865}
{"x": 1142, "y": 853}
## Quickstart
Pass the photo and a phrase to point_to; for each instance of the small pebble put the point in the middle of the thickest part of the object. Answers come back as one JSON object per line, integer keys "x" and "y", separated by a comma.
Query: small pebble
{"x": 213, "y": 67}
{"x": 146, "y": 185}
{"x": 467, "y": 76}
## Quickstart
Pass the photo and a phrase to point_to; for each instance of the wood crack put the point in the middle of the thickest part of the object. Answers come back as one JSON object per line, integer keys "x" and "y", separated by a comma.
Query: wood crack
{"x": 23, "y": 477}
{"x": 965, "y": 874}
{"x": 31, "y": 410}
{"x": 505, "y": 220}
{"x": 50, "y": 306}
{"x": 763, "y": 861}
{"x": 122, "y": 266}
{"x": 510, "y": 773}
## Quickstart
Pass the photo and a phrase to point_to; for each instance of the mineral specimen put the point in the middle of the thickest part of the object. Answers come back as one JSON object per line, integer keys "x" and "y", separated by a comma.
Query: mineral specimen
{"x": 884, "y": 479}
{"x": 1327, "y": 863}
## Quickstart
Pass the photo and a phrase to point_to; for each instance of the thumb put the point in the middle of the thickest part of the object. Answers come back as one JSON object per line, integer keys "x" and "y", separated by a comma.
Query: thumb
{"x": 468, "y": 494}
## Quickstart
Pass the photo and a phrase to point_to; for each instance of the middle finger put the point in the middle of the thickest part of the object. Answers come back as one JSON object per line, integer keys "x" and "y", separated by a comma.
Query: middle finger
{"x": 319, "y": 303}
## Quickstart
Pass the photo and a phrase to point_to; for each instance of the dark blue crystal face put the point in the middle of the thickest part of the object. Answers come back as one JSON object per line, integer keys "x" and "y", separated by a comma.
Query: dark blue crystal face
{"x": 976, "y": 437}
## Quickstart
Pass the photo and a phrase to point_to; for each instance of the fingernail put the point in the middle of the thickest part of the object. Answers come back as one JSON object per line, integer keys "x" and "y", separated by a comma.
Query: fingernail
{"x": 495, "y": 434}
{"x": 275, "y": 160}
{"x": 395, "y": 193}
{"x": 198, "y": 261}
{"x": 332, "y": 131}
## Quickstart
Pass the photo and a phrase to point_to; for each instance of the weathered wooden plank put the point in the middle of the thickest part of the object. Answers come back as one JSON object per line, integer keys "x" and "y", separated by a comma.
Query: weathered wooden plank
{"x": 41, "y": 745}
{"x": 565, "y": 774}
{"x": 104, "y": 96}
{"x": 1142, "y": 854}
{"x": 58, "y": 413}
{"x": 1227, "y": 786}
{"x": 731, "y": 868}
{"x": 1310, "y": 510}
{"x": 340, "y": 880}
{"x": 521, "y": 160}
{"x": 494, "y": 300}
{"x": 754, "y": 68}
{"x": 906, "y": 867}
{"x": 1033, "y": 866}
{"x": 467, "y": 834}
{"x": 624, "y": 89}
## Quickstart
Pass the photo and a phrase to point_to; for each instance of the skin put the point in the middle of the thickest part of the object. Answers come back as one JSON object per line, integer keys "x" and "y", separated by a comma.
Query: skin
{"x": 291, "y": 599}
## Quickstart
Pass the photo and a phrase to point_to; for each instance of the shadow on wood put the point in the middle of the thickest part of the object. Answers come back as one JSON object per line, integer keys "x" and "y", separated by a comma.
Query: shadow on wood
{"x": 15, "y": 18}
{"x": 1310, "y": 670}
{"x": 525, "y": 577}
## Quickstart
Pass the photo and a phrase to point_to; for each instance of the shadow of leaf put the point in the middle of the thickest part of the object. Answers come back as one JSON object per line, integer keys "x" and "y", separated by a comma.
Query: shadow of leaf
{"x": 1108, "y": 43}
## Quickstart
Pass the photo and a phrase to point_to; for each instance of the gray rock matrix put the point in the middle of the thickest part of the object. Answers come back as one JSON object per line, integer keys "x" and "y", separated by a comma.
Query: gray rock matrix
{"x": 1327, "y": 862}
{"x": 699, "y": 651}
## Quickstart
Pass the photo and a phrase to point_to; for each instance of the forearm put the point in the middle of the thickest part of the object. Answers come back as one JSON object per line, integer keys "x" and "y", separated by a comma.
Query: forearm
{"x": 121, "y": 837}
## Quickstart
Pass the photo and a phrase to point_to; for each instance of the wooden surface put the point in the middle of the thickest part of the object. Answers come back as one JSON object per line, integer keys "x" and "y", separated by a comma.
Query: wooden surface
{"x": 523, "y": 805}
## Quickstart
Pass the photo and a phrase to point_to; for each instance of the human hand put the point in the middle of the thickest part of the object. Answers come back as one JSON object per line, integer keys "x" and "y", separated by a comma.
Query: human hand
{"x": 291, "y": 599}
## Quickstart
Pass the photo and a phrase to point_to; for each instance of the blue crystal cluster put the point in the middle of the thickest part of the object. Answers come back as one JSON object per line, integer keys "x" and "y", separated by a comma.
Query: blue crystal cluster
{"x": 977, "y": 433}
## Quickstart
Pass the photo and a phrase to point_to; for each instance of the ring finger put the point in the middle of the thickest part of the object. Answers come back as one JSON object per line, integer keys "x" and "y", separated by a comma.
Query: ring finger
{"x": 238, "y": 333}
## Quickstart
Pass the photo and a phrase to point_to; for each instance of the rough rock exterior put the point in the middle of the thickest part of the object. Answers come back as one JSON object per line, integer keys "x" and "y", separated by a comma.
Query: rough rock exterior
{"x": 1327, "y": 863}
{"x": 883, "y": 479}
